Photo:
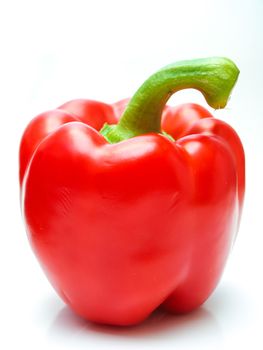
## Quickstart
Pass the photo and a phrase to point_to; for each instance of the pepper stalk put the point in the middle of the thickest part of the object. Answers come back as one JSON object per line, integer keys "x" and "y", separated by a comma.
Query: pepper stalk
{"x": 214, "y": 77}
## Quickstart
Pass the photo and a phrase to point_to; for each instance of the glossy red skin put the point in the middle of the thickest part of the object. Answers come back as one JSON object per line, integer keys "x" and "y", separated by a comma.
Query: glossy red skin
{"x": 121, "y": 229}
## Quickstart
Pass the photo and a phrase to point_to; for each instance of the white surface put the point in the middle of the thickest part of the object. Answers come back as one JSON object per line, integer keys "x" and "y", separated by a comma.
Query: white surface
{"x": 53, "y": 51}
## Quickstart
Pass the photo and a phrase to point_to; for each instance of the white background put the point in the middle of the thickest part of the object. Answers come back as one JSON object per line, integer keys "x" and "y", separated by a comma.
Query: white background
{"x": 53, "y": 51}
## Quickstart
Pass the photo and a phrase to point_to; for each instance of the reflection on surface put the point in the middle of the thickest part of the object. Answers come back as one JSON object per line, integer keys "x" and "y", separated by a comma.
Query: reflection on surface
{"x": 196, "y": 330}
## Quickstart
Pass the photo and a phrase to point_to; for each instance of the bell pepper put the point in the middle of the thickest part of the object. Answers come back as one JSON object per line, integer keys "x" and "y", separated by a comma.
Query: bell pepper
{"x": 136, "y": 205}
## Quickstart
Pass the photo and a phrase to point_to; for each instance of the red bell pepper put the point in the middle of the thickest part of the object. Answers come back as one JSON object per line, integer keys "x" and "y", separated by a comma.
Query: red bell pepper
{"x": 143, "y": 213}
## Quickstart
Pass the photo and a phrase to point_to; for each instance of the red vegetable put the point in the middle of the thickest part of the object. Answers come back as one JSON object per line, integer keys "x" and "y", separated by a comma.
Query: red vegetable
{"x": 128, "y": 219}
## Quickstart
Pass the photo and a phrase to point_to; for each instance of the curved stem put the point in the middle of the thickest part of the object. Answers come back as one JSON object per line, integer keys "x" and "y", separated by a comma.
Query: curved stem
{"x": 213, "y": 77}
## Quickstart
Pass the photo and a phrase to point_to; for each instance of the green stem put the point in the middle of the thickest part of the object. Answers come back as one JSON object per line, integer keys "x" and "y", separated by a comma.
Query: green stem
{"x": 213, "y": 77}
